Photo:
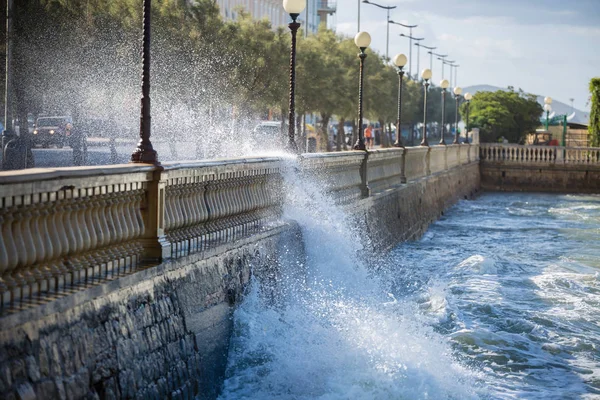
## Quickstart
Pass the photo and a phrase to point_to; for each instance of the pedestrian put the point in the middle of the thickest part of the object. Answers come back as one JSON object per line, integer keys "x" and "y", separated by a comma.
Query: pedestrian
{"x": 369, "y": 136}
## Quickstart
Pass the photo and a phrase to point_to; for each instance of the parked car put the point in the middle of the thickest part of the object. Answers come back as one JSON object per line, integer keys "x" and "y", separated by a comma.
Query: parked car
{"x": 268, "y": 133}
{"x": 55, "y": 130}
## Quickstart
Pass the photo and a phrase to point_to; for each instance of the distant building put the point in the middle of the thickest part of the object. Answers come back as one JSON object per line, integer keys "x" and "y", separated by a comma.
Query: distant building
{"x": 317, "y": 11}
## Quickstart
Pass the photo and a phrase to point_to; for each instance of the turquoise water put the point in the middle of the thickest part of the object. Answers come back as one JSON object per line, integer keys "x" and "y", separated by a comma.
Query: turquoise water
{"x": 498, "y": 300}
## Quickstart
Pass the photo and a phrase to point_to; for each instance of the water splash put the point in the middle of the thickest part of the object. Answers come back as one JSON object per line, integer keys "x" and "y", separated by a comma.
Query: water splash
{"x": 337, "y": 332}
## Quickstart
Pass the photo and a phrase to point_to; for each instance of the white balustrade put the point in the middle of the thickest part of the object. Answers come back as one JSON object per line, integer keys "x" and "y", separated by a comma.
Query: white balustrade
{"x": 63, "y": 225}
{"x": 339, "y": 173}
{"x": 512, "y": 153}
{"x": 210, "y": 202}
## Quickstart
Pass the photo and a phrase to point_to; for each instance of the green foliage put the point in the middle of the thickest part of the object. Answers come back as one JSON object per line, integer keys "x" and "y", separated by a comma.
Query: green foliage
{"x": 594, "y": 128}
{"x": 86, "y": 54}
{"x": 507, "y": 114}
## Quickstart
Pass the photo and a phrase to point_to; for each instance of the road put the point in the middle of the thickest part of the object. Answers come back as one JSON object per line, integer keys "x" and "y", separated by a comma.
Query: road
{"x": 99, "y": 154}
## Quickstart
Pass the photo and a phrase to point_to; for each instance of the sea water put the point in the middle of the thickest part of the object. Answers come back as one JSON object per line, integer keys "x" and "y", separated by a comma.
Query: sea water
{"x": 498, "y": 300}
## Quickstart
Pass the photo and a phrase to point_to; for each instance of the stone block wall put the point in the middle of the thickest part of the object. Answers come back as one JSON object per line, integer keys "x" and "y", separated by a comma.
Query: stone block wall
{"x": 159, "y": 333}
{"x": 405, "y": 214}
{"x": 532, "y": 178}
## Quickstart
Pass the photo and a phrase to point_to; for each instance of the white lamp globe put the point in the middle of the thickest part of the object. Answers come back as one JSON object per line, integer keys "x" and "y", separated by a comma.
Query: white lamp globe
{"x": 547, "y": 107}
{"x": 400, "y": 60}
{"x": 457, "y": 91}
{"x": 468, "y": 96}
{"x": 362, "y": 39}
{"x": 426, "y": 74}
{"x": 444, "y": 84}
{"x": 294, "y": 6}
{"x": 548, "y": 100}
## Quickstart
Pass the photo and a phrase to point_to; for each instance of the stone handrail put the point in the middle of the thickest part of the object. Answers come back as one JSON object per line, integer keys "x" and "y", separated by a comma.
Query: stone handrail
{"x": 464, "y": 153}
{"x": 452, "y": 155}
{"x": 416, "y": 162}
{"x": 522, "y": 154}
{"x": 212, "y": 202}
{"x": 60, "y": 226}
{"x": 437, "y": 159}
{"x": 385, "y": 168}
{"x": 582, "y": 155}
{"x": 76, "y": 226}
{"x": 514, "y": 153}
{"x": 340, "y": 172}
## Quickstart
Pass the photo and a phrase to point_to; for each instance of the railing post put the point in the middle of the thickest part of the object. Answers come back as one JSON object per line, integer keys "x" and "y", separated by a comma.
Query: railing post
{"x": 560, "y": 157}
{"x": 364, "y": 186}
{"x": 403, "y": 166}
{"x": 156, "y": 246}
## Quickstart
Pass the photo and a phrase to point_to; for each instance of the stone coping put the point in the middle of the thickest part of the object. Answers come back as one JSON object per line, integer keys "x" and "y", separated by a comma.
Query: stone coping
{"x": 42, "y": 174}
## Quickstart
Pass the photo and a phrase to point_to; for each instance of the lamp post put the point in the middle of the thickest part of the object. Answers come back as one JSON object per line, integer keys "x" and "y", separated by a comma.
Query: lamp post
{"x": 430, "y": 58}
{"x": 445, "y": 62}
{"x": 388, "y": 8}
{"x": 547, "y": 108}
{"x": 439, "y": 57}
{"x": 294, "y": 8}
{"x": 468, "y": 96}
{"x": 400, "y": 62}
{"x": 410, "y": 28}
{"x": 145, "y": 153}
{"x": 456, "y": 74}
{"x": 410, "y": 38}
{"x": 457, "y": 93}
{"x": 444, "y": 85}
{"x": 362, "y": 41}
{"x": 426, "y": 75}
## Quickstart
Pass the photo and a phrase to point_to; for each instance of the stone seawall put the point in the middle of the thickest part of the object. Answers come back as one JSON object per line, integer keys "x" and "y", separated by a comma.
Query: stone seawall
{"x": 405, "y": 213}
{"x": 555, "y": 179}
{"x": 159, "y": 333}
{"x": 162, "y": 331}
{"x": 516, "y": 168}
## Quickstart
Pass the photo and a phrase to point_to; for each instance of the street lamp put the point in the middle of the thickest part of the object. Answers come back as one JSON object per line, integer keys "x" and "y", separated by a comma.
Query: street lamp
{"x": 426, "y": 75}
{"x": 445, "y": 62}
{"x": 439, "y": 56}
{"x": 400, "y": 62}
{"x": 294, "y": 8}
{"x": 468, "y": 97}
{"x": 547, "y": 108}
{"x": 410, "y": 38}
{"x": 418, "y": 55}
{"x": 457, "y": 93}
{"x": 444, "y": 85}
{"x": 410, "y": 28}
{"x": 388, "y": 8}
{"x": 362, "y": 41}
{"x": 145, "y": 153}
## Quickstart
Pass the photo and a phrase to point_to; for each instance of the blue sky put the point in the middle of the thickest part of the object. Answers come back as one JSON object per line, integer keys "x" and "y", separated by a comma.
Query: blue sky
{"x": 546, "y": 47}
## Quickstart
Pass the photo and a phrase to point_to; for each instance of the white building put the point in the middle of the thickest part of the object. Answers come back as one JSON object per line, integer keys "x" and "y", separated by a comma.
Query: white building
{"x": 316, "y": 11}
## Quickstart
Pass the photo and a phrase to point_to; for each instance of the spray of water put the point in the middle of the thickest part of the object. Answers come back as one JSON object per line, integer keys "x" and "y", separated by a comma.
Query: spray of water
{"x": 336, "y": 332}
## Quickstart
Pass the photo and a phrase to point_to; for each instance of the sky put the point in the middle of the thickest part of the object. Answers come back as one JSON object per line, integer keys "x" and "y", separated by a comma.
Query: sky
{"x": 546, "y": 47}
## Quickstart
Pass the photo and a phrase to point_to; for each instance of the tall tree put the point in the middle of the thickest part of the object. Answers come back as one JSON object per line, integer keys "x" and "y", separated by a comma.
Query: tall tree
{"x": 507, "y": 114}
{"x": 594, "y": 129}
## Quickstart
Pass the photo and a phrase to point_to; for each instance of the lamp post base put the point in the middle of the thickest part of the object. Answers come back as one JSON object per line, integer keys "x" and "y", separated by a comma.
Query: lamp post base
{"x": 144, "y": 154}
{"x": 359, "y": 145}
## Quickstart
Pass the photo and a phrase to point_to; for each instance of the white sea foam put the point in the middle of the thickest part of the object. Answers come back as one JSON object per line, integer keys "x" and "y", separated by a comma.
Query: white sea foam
{"x": 339, "y": 335}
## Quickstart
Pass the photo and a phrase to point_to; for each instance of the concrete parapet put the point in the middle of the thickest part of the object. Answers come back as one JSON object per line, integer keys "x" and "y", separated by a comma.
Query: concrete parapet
{"x": 416, "y": 160}
{"x": 437, "y": 159}
{"x": 385, "y": 168}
